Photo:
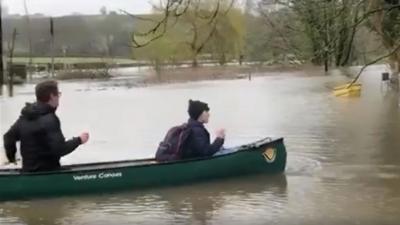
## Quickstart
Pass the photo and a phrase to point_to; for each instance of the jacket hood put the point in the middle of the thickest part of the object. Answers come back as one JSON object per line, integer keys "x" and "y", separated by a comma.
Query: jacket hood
{"x": 32, "y": 111}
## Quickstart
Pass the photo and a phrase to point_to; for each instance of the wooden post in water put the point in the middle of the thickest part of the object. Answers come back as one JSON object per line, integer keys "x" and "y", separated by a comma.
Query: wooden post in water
{"x": 326, "y": 41}
{"x": 10, "y": 70}
{"x": 1, "y": 51}
{"x": 28, "y": 24}
{"x": 52, "y": 45}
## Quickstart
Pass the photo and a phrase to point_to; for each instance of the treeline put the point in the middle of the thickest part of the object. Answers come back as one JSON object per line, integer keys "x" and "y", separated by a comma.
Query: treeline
{"x": 322, "y": 32}
{"x": 75, "y": 35}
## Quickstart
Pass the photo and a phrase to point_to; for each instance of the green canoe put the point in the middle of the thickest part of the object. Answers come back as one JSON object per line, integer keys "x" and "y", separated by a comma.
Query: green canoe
{"x": 265, "y": 156}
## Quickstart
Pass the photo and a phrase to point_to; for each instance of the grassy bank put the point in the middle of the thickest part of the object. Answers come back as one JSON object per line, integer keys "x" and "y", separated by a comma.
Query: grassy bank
{"x": 171, "y": 75}
{"x": 71, "y": 60}
{"x": 83, "y": 74}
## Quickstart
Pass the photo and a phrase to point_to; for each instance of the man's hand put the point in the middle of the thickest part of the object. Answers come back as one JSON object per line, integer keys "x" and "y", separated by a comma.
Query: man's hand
{"x": 220, "y": 133}
{"x": 84, "y": 137}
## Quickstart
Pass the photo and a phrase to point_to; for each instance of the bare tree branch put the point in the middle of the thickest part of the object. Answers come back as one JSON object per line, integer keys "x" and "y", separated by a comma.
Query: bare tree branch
{"x": 173, "y": 9}
{"x": 138, "y": 17}
{"x": 373, "y": 62}
{"x": 283, "y": 37}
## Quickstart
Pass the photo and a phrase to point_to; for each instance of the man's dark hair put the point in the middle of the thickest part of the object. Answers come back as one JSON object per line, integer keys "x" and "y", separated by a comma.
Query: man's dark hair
{"x": 44, "y": 90}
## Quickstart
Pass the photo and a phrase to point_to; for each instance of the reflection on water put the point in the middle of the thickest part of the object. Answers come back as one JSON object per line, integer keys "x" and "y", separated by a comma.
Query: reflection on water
{"x": 199, "y": 204}
{"x": 343, "y": 153}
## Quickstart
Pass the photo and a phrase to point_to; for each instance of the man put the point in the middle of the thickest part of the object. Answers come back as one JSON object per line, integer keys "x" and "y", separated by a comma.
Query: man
{"x": 39, "y": 131}
{"x": 198, "y": 143}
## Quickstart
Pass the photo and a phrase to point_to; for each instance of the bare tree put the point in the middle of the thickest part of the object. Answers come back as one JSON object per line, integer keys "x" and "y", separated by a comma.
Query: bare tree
{"x": 11, "y": 47}
{"x": 170, "y": 11}
{"x": 203, "y": 25}
{"x": 331, "y": 25}
{"x": 28, "y": 26}
{"x": 1, "y": 50}
{"x": 386, "y": 23}
{"x": 52, "y": 45}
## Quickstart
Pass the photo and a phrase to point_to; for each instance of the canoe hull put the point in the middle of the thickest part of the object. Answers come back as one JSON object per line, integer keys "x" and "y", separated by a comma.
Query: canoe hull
{"x": 347, "y": 90}
{"x": 131, "y": 175}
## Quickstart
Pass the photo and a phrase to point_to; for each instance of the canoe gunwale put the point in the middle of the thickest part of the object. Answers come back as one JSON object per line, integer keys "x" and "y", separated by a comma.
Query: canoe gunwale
{"x": 94, "y": 167}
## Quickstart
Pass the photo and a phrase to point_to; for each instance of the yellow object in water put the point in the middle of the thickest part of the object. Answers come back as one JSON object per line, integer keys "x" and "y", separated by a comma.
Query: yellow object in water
{"x": 347, "y": 91}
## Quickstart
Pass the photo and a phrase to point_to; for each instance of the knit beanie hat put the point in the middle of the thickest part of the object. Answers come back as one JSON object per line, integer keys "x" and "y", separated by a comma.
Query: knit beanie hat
{"x": 196, "y": 108}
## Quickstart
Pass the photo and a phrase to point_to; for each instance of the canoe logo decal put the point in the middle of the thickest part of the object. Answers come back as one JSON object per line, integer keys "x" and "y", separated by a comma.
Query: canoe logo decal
{"x": 85, "y": 177}
{"x": 270, "y": 155}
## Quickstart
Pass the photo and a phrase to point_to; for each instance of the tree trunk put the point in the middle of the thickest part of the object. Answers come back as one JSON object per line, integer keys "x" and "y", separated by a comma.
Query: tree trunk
{"x": 1, "y": 53}
{"x": 52, "y": 45}
{"x": 326, "y": 41}
{"x": 10, "y": 68}
{"x": 28, "y": 24}
{"x": 157, "y": 67}
{"x": 347, "y": 60}
{"x": 326, "y": 61}
{"x": 195, "y": 63}
{"x": 395, "y": 65}
{"x": 222, "y": 59}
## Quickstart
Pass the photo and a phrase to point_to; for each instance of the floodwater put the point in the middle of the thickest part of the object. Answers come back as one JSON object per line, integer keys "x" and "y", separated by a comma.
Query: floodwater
{"x": 343, "y": 153}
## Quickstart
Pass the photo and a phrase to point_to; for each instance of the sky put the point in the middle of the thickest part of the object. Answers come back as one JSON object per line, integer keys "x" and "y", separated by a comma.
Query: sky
{"x": 67, "y": 7}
